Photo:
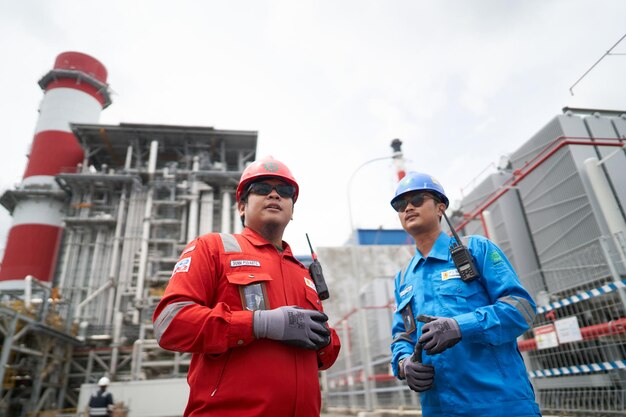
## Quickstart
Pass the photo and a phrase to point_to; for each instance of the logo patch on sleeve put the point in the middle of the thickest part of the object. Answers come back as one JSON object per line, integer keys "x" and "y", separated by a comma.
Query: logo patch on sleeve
{"x": 182, "y": 265}
{"x": 451, "y": 274}
{"x": 495, "y": 257}
{"x": 310, "y": 284}
{"x": 243, "y": 262}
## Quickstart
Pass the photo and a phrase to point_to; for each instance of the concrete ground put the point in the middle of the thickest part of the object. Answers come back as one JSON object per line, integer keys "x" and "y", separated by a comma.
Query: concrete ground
{"x": 383, "y": 413}
{"x": 377, "y": 413}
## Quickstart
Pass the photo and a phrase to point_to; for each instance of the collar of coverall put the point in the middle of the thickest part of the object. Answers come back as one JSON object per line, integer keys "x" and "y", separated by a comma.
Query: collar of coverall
{"x": 257, "y": 240}
{"x": 439, "y": 251}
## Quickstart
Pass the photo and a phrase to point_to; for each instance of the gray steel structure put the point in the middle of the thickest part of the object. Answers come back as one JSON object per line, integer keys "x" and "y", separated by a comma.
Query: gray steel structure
{"x": 141, "y": 193}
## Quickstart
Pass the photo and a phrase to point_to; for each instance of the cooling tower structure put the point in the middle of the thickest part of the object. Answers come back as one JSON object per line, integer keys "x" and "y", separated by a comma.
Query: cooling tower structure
{"x": 75, "y": 91}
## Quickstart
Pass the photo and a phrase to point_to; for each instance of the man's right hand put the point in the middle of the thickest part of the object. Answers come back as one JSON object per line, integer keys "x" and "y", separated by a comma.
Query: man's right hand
{"x": 293, "y": 325}
{"x": 419, "y": 377}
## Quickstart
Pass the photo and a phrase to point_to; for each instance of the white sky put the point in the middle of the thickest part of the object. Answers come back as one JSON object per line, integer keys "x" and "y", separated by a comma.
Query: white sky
{"x": 327, "y": 84}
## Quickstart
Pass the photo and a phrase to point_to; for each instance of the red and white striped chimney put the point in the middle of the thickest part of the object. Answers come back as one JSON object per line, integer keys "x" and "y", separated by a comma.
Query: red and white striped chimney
{"x": 75, "y": 91}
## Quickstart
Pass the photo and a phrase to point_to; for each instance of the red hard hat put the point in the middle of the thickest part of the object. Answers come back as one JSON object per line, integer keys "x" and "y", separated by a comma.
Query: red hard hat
{"x": 263, "y": 168}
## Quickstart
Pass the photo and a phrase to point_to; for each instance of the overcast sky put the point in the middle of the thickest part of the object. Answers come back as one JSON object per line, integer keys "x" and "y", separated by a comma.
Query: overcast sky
{"x": 327, "y": 84}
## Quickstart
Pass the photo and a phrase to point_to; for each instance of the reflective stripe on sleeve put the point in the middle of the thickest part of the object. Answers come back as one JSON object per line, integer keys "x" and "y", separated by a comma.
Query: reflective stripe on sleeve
{"x": 522, "y": 305}
{"x": 165, "y": 318}
{"x": 230, "y": 243}
{"x": 98, "y": 411}
{"x": 402, "y": 336}
{"x": 402, "y": 273}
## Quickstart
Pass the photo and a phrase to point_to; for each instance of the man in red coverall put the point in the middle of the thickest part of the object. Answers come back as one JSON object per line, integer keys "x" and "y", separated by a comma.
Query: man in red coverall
{"x": 249, "y": 311}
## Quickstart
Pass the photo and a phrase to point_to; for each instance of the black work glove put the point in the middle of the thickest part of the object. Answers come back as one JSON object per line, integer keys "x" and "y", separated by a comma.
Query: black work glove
{"x": 439, "y": 334}
{"x": 293, "y": 325}
{"x": 419, "y": 377}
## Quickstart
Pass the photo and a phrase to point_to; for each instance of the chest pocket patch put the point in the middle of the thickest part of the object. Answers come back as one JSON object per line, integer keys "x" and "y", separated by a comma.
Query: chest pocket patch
{"x": 406, "y": 311}
{"x": 252, "y": 289}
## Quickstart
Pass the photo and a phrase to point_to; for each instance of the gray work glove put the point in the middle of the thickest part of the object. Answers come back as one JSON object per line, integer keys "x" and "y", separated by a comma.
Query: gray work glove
{"x": 419, "y": 377}
{"x": 293, "y": 325}
{"x": 440, "y": 334}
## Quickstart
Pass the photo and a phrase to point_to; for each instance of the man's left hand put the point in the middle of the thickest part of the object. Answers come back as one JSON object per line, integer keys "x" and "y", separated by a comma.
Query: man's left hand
{"x": 440, "y": 334}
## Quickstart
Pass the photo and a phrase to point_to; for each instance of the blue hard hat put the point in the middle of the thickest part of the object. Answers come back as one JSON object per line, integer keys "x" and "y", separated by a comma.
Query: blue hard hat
{"x": 418, "y": 181}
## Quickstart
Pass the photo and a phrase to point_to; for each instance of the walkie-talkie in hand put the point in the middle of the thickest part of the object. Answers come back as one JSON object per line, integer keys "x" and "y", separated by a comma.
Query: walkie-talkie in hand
{"x": 417, "y": 352}
{"x": 315, "y": 270}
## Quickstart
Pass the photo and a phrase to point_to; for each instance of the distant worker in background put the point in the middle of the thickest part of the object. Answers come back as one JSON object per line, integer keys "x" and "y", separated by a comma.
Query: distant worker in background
{"x": 467, "y": 327}
{"x": 101, "y": 401}
{"x": 249, "y": 311}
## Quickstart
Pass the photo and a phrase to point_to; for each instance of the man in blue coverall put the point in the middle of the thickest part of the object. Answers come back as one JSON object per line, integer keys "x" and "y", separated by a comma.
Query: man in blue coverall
{"x": 472, "y": 366}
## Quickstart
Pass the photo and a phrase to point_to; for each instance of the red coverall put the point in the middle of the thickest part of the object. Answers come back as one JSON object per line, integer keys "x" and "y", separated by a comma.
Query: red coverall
{"x": 231, "y": 372}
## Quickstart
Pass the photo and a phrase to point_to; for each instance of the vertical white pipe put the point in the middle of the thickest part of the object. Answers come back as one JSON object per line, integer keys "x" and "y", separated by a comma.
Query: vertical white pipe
{"x": 152, "y": 159}
{"x": 226, "y": 213}
{"x": 608, "y": 204}
{"x": 129, "y": 158}
{"x": 192, "y": 221}
{"x": 206, "y": 211}
{"x": 237, "y": 226}
{"x": 28, "y": 290}
{"x": 143, "y": 254}
{"x": 117, "y": 336}
{"x": 117, "y": 242}
{"x": 65, "y": 264}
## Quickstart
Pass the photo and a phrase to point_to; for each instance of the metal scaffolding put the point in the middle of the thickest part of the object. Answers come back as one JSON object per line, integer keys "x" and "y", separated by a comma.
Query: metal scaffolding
{"x": 141, "y": 193}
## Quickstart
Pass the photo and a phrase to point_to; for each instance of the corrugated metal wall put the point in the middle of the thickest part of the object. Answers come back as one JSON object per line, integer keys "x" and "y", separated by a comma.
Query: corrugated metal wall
{"x": 574, "y": 258}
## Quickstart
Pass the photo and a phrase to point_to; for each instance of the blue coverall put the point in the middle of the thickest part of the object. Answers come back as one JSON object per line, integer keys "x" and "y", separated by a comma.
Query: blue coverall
{"x": 483, "y": 374}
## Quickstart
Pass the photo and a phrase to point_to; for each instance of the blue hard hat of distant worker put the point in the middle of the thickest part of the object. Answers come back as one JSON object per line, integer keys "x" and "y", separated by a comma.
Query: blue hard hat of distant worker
{"x": 418, "y": 181}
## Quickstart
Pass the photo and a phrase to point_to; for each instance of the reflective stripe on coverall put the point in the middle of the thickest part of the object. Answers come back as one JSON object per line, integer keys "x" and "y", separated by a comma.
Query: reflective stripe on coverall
{"x": 231, "y": 372}
{"x": 484, "y": 374}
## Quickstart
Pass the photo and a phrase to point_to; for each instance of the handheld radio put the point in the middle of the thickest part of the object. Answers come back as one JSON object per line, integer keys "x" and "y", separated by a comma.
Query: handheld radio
{"x": 417, "y": 351}
{"x": 315, "y": 270}
{"x": 462, "y": 257}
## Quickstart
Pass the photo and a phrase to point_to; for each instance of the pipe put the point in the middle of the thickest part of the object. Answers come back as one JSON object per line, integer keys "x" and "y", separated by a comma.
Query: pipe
{"x": 117, "y": 240}
{"x": 70, "y": 236}
{"x": 28, "y": 291}
{"x": 531, "y": 165}
{"x": 145, "y": 233}
{"x": 610, "y": 328}
{"x": 129, "y": 158}
{"x": 206, "y": 210}
{"x": 226, "y": 213}
{"x": 152, "y": 159}
{"x": 114, "y": 300}
{"x": 117, "y": 336}
{"x": 192, "y": 225}
{"x": 95, "y": 271}
{"x": 608, "y": 204}
{"x": 143, "y": 254}
{"x": 237, "y": 226}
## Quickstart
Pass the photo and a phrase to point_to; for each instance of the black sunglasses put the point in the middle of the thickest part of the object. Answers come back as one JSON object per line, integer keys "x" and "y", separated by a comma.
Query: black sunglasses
{"x": 416, "y": 200}
{"x": 263, "y": 188}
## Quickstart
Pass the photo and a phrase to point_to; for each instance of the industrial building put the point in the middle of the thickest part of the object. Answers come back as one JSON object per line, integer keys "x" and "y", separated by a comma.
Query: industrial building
{"x": 104, "y": 211}
{"x": 99, "y": 221}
